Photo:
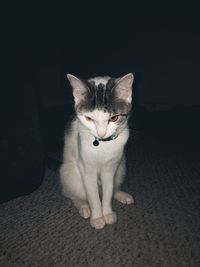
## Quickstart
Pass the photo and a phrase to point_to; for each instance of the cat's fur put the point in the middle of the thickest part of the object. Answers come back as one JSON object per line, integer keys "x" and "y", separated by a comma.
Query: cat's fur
{"x": 91, "y": 175}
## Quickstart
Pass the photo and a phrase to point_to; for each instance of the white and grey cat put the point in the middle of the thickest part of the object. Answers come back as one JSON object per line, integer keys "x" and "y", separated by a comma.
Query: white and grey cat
{"x": 94, "y": 164}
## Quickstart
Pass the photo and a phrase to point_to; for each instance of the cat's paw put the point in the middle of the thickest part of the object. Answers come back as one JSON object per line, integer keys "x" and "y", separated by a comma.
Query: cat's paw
{"x": 97, "y": 223}
{"x": 123, "y": 197}
{"x": 110, "y": 218}
{"x": 84, "y": 211}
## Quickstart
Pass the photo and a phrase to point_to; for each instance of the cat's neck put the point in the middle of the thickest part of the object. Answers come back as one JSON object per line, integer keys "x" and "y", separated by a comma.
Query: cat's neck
{"x": 84, "y": 133}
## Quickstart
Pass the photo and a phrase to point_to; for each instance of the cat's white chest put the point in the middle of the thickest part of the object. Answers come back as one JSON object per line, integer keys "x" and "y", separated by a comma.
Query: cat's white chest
{"x": 105, "y": 151}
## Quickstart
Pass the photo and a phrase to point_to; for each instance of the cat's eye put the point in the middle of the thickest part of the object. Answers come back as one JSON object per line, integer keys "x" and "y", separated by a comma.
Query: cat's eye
{"x": 88, "y": 118}
{"x": 114, "y": 118}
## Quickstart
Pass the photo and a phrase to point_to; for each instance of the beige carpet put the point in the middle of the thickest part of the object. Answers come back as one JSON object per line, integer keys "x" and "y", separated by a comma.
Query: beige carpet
{"x": 162, "y": 228}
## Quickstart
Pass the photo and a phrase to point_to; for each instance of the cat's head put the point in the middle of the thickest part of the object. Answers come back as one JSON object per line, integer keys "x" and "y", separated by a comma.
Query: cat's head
{"x": 102, "y": 104}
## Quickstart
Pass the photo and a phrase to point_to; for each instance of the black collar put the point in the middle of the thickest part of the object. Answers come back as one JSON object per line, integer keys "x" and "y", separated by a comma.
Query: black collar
{"x": 96, "y": 141}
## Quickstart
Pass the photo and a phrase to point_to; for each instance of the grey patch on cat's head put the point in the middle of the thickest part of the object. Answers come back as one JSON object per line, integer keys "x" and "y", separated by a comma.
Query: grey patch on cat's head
{"x": 103, "y": 97}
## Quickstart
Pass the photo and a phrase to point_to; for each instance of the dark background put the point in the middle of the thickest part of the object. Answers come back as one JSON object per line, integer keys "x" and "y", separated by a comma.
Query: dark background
{"x": 42, "y": 43}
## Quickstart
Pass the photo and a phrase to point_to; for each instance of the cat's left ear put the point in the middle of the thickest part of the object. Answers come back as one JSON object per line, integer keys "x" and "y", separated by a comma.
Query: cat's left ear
{"x": 123, "y": 87}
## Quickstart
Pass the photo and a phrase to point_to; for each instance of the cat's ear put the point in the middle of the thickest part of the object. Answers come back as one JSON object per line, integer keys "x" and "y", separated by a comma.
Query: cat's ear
{"x": 79, "y": 88}
{"x": 123, "y": 87}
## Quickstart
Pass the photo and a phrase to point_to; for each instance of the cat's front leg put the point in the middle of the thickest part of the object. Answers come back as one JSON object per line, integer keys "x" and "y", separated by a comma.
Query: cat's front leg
{"x": 89, "y": 176}
{"x": 107, "y": 177}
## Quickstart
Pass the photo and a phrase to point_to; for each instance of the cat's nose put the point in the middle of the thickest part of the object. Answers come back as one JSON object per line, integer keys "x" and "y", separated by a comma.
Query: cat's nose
{"x": 101, "y": 133}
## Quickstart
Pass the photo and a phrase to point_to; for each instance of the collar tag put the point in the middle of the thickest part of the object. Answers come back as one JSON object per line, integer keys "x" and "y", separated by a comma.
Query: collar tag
{"x": 96, "y": 142}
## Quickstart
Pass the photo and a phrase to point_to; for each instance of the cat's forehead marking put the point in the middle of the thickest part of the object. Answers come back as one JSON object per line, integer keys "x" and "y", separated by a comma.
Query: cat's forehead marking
{"x": 101, "y": 89}
{"x": 101, "y": 96}
{"x": 98, "y": 80}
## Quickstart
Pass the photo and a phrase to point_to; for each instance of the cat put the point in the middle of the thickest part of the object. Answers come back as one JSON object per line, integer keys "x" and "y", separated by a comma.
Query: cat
{"x": 93, "y": 165}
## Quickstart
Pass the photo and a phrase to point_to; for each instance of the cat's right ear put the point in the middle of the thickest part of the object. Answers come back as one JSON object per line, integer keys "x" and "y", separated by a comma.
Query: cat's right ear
{"x": 79, "y": 89}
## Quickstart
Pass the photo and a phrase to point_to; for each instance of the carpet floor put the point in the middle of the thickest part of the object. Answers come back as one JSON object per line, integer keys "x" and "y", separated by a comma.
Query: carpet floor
{"x": 162, "y": 228}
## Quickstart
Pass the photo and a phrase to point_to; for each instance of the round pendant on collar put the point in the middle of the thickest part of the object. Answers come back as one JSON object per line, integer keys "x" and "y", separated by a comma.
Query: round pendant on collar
{"x": 96, "y": 142}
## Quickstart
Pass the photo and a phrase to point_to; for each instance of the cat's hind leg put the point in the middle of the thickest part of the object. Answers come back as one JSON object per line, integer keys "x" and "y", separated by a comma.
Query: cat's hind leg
{"x": 83, "y": 208}
{"x": 73, "y": 188}
{"x": 119, "y": 195}
{"x": 123, "y": 197}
